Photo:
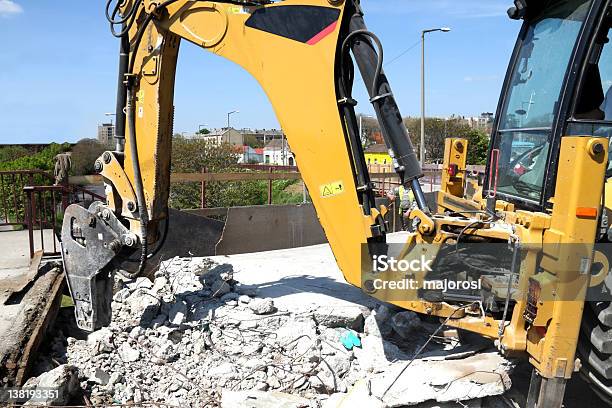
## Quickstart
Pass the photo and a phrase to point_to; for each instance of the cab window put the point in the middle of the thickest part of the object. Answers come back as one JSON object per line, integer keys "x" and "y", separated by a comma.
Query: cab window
{"x": 526, "y": 121}
{"x": 593, "y": 108}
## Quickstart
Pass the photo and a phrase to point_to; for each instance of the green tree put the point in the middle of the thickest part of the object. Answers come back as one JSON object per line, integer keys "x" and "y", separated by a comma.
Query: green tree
{"x": 10, "y": 153}
{"x": 478, "y": 147}
{"x": 42, "y": 160}
{"x": 195, "y": 155}
{"x": 437, "y": 130}
{"x": 203, "y": 131}
{"x": 84, "y": 155}
{"x": 251, "y": 140}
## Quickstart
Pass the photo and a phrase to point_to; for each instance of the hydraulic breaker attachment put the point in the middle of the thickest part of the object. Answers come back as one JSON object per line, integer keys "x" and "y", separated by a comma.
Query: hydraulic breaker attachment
{"x": 91, "y": 239}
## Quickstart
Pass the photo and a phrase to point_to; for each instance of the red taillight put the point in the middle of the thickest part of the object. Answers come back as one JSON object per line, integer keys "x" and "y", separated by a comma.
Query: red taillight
{"x": 519, "y": 170}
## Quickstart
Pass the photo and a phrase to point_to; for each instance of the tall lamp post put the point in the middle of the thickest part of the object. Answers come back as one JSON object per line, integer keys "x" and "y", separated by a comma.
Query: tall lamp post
{"x": 431, "y": 30}
{"x": 228, "y": 117}
{"x": 111, "y": 116}
{"x": 361, "y": 116}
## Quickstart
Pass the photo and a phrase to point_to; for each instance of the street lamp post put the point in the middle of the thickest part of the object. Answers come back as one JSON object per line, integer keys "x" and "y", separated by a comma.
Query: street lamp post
{"x": 228, "y": 117}
{"x": 444, "y": 30}
{"x": 111, "y": 116}
{"x": 361, "y": 116}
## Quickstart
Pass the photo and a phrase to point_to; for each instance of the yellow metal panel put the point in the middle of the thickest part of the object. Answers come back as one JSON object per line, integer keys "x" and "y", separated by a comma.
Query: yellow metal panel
{"x": 567, "y": 255}
{"x": 299, "y": 80}
{"x": 455, "y": 154}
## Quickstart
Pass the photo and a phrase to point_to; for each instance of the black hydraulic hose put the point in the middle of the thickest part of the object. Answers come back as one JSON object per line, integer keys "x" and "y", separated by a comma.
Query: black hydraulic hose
{"x": 394, "y": 131}
{"x": 380, "y": 56}
{"x": 419, "y": 196}
{"x": 129, "y": 18}
{"x": 138, "y": 185}
{"x": 124, "y": 56}
{"x": 111, "y": 17}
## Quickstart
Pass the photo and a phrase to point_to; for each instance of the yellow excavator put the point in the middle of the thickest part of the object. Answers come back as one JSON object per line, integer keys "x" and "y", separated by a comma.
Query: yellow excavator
{"x": 530, "y": 244}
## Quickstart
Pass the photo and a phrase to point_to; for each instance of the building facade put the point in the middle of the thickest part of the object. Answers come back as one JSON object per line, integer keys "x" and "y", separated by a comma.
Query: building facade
{"x": 106, "y": 134}
{"x": 278, "y": 153}
{"x": 226, "y": 135}
{"x": 248, "y": 155}
{"x": 378, "y": 154}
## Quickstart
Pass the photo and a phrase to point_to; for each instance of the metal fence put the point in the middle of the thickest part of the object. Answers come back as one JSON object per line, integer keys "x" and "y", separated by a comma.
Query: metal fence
{"x": 12, "y": 196}
{"x": 29, "y": 199}
{"x": 383, "y": 177}
{"x": 45, "y": 206}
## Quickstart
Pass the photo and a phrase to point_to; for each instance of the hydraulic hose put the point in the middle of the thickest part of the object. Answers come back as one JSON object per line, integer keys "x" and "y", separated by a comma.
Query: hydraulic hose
{"x": 124, "y": 56}
{"x": 138, "y": 185}
{"x": 370, "y": 63}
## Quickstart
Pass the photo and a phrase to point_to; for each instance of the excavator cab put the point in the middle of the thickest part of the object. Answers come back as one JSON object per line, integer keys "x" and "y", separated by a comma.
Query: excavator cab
{"x": 556, "y": 99}
{"x": 558, "y": 84}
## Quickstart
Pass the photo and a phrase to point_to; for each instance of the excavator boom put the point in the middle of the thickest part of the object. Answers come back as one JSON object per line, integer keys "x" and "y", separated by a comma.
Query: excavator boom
{"x": 300, "y": 53}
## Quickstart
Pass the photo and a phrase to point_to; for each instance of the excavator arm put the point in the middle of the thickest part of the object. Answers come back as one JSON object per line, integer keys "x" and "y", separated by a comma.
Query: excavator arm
{"x": 300, "y": 53}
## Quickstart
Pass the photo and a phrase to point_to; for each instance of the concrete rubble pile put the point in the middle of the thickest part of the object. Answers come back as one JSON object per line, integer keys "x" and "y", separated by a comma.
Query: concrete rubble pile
{"x": 196, "y": 336}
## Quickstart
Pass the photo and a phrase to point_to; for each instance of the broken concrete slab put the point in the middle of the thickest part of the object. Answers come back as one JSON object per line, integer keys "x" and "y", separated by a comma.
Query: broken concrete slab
{"x": 127, "y": 353}
{"x": 63, "y": 379}
{"x": 406, "y": 323}
{"x": 25, "y": 317}
{"x": 262, "y": 306}
{"x": 475, "y": 377}
{"x": 261, "y": 399}
{"x": 101, "y": 341}
{"x": 348, "y": 316}
{"x": 223, "y": 344}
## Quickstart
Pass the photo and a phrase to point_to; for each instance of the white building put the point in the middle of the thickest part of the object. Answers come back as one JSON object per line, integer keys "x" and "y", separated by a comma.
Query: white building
{"x": 277, "y": 153}
{"x": 225, "y": 135}
{"x": 248, "y": 155}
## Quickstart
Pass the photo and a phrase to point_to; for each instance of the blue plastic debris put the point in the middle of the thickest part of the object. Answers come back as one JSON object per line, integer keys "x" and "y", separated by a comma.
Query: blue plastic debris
{"x": 350, "y": 339}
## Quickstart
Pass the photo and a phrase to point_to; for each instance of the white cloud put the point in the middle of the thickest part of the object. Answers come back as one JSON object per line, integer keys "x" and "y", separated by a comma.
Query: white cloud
{"x": 9, "y": 8}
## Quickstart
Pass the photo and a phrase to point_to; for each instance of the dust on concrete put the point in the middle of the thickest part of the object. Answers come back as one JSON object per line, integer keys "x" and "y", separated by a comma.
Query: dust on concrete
{"x": 199, "y": 335}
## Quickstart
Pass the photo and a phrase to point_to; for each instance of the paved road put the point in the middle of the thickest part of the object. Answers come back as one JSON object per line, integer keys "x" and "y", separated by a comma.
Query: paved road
{"x": 15, "y": 251}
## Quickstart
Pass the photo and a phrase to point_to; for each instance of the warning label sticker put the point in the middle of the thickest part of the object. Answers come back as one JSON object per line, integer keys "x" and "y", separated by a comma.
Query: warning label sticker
{"x": 332, "y": 189}
{"x": 238, "y": 10}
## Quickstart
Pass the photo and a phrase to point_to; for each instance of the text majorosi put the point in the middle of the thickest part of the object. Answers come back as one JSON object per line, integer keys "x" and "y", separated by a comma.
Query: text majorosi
{"x": 384, "y": 263}
{"x": 437, "y": 285}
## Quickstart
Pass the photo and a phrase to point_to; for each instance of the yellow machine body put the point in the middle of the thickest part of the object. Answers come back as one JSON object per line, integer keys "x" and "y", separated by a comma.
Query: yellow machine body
{"x": 299, "y": 80}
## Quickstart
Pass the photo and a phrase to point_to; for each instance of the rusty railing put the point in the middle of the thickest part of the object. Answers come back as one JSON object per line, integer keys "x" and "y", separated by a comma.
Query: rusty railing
{"x": 44, "y": 209}
{"x": 12, "y": 196}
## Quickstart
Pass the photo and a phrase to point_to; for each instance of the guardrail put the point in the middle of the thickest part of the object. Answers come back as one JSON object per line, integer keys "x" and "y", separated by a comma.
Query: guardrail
{"x": 45, "y": 206}
{"x": 28, "y": 199}
{"x": 382, "y": 179}
{"x": 12, "y": 196}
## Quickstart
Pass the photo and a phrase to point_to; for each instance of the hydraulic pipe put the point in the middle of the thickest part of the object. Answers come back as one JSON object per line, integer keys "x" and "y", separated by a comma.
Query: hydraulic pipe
{"x": 124, "y": 54}
{"x": 393, "y": 129}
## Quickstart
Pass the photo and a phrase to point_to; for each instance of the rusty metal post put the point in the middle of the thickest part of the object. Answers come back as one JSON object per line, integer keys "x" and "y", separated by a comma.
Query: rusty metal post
{"x": 203, "y": 191}
{"x": 29, "y": 220}
{"x": 65, "y": 195}
{"x": 270, "y": 188}
{"x": 41, "y": 216}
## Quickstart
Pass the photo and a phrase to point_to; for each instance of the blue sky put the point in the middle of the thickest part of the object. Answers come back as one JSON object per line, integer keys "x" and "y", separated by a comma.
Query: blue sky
{"x": 58, "y": 66}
